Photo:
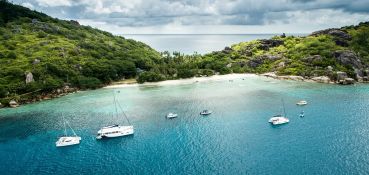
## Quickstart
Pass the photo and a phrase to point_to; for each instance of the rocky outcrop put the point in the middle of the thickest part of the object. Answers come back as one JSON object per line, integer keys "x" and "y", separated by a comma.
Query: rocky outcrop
{"x": 283, "y": 77}
{"x": 1, "y": 105}
{"x": 281, "y": 64}
{"x": 321, "y": 79}
{"x": 74, "y": 22}
{"x": 333, "y": 32}
{"x": 346, "y": 81}
{"x": 341, "y": 37}
{"x": 266, "y": 44}
{"x": 29, "y": 78}
{"x": 291, "y": 77}
{"x": 227, "y": 50}
{"x": 13, "y": 104}
{"x": 341, "y": 76}
{"x": 258, "y": 60}
{"x": 348, "y": 57}
{"x": 313, "y": 58}
{"x": 36, "y": 61}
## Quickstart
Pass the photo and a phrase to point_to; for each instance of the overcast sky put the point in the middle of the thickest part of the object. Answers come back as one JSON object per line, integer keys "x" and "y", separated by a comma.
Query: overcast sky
{"x": 206, "y": 16}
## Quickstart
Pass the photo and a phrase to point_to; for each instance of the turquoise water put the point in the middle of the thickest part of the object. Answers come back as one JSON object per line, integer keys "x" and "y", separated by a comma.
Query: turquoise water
{"x": 191, "y": 43}
{"x": 332, "y": 138}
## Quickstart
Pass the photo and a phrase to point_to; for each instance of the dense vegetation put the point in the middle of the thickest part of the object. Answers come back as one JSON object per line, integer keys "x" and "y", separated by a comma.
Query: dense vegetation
{"x": 59, "y": 53}
{"x": 322, "y": 53}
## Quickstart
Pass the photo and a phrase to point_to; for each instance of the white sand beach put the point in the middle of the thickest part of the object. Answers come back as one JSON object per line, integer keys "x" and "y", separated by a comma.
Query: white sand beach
{"x": 186, "y": 81}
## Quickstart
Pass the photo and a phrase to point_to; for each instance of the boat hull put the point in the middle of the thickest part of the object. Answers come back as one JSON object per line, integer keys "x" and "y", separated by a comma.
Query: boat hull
{"x": 278, "y": 120}
{"x": 118, "y": 131}
{"x": 68, "y": 141}
{"x": 172, "y": 116}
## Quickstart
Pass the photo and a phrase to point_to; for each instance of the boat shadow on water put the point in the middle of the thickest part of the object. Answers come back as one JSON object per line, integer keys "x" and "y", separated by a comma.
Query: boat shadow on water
{"x": 115, "y": 139}
{"x": 278, "y": 126}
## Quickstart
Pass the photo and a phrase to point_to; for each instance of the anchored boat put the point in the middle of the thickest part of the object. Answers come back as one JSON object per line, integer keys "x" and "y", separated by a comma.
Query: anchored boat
{"x": 279, "y": 119}
{"x": 172, "y": 115}
{"x": 116, "y": 130}
{"x": 302, "y": 103}
{"x": 205, "y": 112}
{"x": 68, "y": 140}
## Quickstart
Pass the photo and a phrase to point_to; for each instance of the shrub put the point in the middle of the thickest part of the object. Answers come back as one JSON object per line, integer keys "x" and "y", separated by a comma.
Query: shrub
{"x": 12, "y": 55}
{"x": 87, "y": 82}
{"x": 150, "y": 77}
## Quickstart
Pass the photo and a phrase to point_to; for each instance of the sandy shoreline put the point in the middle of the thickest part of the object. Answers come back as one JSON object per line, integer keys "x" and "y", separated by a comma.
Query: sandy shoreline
{"x": 187, "y": 80}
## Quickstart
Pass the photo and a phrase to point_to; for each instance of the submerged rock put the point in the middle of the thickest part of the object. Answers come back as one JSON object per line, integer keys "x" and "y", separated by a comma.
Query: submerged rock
{"x": 321, "y": 79}
{"x": 347, "y": 81}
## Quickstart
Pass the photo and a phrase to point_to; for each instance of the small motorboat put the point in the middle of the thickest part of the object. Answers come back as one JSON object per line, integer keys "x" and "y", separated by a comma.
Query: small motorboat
{"x": 302, "y": 103}
{"x": 172, "y": 115}
{"x": 302, "y": 114}
{"x": 205, "y": 112}
{"x": 278, "y": 120}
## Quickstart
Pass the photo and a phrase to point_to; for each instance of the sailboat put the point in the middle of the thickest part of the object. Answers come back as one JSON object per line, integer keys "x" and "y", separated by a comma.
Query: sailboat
{"x": 68, "y": 140}
{"x": 279, "y": 119}
{"x": 115, "y": 130}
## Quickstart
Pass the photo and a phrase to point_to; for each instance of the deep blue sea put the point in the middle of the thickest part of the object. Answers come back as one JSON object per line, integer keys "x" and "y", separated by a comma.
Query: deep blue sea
{"x": 332, "y": 138}
{"x": 199, "y": 43}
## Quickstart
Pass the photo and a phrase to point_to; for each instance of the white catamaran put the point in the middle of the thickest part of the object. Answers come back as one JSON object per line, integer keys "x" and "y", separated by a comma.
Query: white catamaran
{"x": 115, "y": 130}
{"x": 68, "y": 140}
{"x": 279, "y": 119}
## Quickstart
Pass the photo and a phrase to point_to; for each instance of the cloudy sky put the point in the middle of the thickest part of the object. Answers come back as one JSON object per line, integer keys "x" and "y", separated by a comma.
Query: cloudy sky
{"x": 206, "y": 16}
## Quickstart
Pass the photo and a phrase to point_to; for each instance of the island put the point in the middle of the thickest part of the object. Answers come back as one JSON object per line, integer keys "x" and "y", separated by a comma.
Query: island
{"x": 43, "y": 57}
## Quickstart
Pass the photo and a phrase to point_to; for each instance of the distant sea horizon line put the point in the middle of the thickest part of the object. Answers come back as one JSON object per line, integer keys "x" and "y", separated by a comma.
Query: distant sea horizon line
{"x": 215, "y": 34}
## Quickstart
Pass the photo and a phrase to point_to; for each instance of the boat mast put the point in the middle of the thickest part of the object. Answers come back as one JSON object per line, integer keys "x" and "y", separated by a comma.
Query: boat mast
{"x": 115, "y": 105}
{"x": 116, "y": 102}
{"x": 65, "y": 128}
{"x": 284, "y": 109}
{"x": 71, "y": 128}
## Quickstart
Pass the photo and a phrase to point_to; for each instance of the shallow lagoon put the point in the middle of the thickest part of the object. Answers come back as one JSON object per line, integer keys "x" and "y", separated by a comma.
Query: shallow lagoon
{"x": 332, "y": 138}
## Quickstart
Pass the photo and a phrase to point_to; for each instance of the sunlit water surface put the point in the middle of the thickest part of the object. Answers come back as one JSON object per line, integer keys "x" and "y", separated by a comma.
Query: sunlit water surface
{"x": 332, "y": 138}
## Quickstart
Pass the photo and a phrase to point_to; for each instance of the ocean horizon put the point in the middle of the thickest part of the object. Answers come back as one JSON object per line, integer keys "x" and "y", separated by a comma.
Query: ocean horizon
{"x": 197, "y": 43}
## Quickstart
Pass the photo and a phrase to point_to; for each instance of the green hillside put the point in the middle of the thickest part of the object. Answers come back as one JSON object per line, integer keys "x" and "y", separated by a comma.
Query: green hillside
{"x": 59, "y": 53}
{"x": 323, "y": 53}
{"x": 41, "y": 55}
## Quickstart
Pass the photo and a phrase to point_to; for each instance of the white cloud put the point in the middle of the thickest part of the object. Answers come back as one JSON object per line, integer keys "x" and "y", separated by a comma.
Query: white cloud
{"x": 28, "y": 5}
{"x": 225, "y": 16}
{"x": 54, "y": 3}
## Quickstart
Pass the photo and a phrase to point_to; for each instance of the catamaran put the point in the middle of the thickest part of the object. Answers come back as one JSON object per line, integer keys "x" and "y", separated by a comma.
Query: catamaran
{"x": 279, "y": 119}
{"x": 68, "y": 140}
{"x": 115, "y": 130}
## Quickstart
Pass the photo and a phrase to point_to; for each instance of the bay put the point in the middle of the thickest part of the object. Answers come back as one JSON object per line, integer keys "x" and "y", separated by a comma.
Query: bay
{"x": 332, "y": 138}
